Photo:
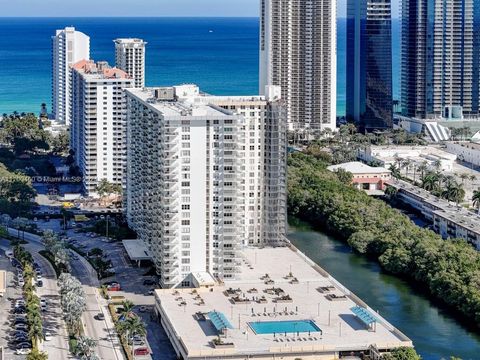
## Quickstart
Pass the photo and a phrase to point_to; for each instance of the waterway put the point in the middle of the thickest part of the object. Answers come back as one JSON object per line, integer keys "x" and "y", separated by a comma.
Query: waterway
{"x": 434, "y": 330}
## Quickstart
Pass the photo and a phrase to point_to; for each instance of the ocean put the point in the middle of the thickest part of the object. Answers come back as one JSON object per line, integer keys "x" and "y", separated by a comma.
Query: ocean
{"x": 218, "y": 54}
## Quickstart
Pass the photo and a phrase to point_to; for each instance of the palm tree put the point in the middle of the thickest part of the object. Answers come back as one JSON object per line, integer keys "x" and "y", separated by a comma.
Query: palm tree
{"x": 36, "y": 331}
{"x": 127, "y": 308}
{"x": 395, "y": 171}
{"x": 37, "y": 355}
{"x": 476, "y": 200}
{"x": 464, "y": 176}
{"x": 472, "y": 178}
{"x": 430, "y": 181}
{"x": 85, "y": 348}
{"x": 437, "y": 164}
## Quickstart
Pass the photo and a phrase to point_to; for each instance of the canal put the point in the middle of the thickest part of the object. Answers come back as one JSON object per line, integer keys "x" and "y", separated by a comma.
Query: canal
{"x": 434, "y": 331}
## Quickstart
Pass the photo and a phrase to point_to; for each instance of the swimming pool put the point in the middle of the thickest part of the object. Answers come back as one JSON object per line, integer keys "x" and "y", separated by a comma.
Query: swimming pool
{"x": 279, "y": 327}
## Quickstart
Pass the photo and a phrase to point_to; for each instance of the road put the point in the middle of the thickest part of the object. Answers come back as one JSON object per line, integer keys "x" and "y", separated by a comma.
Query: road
{"x": 108, "y": 347}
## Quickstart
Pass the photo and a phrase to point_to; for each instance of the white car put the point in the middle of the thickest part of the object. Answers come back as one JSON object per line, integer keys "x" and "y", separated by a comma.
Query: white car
{"x": 48, "y": 336}
{"x": 21, "y": 283}
{"x": 9, "y": 253}
{"x": 23, "y": 351}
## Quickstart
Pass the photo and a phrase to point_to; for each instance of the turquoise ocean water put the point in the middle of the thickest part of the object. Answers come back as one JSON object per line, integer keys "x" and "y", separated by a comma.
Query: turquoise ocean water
{"x": 219, "y": 54}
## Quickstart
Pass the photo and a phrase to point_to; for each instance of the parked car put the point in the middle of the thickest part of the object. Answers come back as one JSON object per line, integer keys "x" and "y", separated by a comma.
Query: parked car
{"x": 23, "y": 351}
{"x": 114, "y": 286}
{"x": 20, "y": 339}
{"x": 141, "y": 351}
{"x": 21, "y": 327}
{"x": 39, "y": 283}
{"x": 142, "y": 309}
{"x": 100, "y": 316}
{"x": 21, "y": 283}
{"x": 9, "y": 253}
{"x": 20, "y": 310}
{"x": 20, "y": 321}
{"x": 48, "y": 336}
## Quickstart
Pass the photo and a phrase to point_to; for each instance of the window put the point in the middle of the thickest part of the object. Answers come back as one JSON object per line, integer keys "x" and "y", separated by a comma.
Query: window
{"x": 185, "y": 183}
{"x": 185, "y": 207}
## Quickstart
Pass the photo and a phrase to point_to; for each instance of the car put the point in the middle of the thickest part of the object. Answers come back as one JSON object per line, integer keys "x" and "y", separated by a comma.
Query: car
{"x": 48, "y": 336}
{"x": 100, "y": 316}
{"x": 23, "y": 351}
{"x": 20, "y": 302}
{"x": 19, "y": 333}
{"x": 148, "y": 282}
{"x": 21, "y": 339}
{"x": 38, "y": 271}
{"x": 142, "y": 309}
{"x": 9, "y": 253}
{"x": 21, "y": 327}
{"x": 20, "y": 310}
{"x": 114, "y": 286}
{"x": 20, "y": 316}
{"x": 20, "y": 321}
{"x": 21, "y": 283}
{"x": 44, "y": 307}
{"x": 151, "y": 292}
{"x": 43, "y": 301}
{"x": 39, "y": 277}
{"x": 141, "y": 351}
{"x": 39, "y": 283}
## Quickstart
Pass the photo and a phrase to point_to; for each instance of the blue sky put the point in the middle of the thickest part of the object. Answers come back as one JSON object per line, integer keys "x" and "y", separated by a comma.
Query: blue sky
{"x": 141, "y": 7}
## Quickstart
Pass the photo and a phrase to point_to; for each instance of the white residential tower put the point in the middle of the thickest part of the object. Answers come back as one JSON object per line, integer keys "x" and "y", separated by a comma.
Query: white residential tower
{"x": 68, "y": 47}
{"x": 205, "y": 177}
{"x": 130, "y": 57}
{"x": 98, "y": 129}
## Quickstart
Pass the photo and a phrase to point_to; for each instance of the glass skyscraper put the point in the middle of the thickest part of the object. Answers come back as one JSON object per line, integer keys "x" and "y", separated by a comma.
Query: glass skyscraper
{"x": 369, "y": 64}
{"x": 440, "y": 58}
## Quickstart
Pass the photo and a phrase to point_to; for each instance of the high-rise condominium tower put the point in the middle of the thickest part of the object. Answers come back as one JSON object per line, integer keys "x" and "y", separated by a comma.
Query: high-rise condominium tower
{"x": 369, "y": 64}
{"x": 298, "y": 53}
{"x": 205, "y": 177}
{"x": 68, "y": 47}
{"x": 130, "y": 57}
{"x": 440, "y": 58}
{"x": 98, "y": 129}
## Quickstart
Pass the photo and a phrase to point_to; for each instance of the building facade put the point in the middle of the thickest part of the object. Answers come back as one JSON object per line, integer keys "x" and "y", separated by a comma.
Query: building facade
{"x": 440, "y": 62}
{"x": 206, "y": 176}
{"x": 298, "y": 53}
{"x": 130, "y": 57}
{"x": 68, "y": 47}
{"x": 369, "y": 64}
{"x": 98, "y": 129}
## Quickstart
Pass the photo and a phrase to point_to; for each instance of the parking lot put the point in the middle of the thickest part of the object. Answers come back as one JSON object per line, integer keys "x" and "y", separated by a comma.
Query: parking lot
{"x": 56, "y": 346}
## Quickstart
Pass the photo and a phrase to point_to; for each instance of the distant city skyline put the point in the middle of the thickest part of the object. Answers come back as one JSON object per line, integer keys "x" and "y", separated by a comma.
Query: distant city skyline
{"x": 107, "y": 8}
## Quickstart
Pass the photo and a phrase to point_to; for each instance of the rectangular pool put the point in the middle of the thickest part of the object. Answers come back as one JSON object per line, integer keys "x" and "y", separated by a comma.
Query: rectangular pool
{"x": 279, "y": 327}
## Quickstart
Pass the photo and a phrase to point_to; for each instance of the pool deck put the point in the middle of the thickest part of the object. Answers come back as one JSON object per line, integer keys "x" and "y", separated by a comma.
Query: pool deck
{"x": 341, "y": 329}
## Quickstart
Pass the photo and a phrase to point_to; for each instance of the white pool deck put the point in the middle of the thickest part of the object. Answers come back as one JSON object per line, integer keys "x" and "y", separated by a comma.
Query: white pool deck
{"x": 342, "y": 331}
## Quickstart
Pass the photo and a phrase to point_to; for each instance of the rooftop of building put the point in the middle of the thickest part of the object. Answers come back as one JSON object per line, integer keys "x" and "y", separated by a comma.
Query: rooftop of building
{"x": 184, "y": 100}
{"x": 275, "y": 285}
{"x": 99, "y": 70}
{"x": 129, "y": 41}
{"x": 468, "y": 144}
{"x": 413, "y": 152}
{"x": 357, "y": 167}
{"x": 448, "y": 210}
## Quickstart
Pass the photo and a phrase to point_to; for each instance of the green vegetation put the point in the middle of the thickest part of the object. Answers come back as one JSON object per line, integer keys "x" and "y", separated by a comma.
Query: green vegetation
{"x": 116, "y": 230}
{"x": 402, "y": 353}
{"x": 127, "y": 324}
{"x": 73, "y": 302}
{"x": 450, "y": 270}
{"x": 16, "y": 193}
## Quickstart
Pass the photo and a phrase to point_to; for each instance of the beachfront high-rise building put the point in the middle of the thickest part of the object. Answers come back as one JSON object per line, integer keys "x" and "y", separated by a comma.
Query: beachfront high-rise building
{"x": 298, "y": 53}
{"x": 369, "y": 64}
{"x": 68, "y": 47}
{"x": 130, "y": 57}
{"x": 440, "y": 58}
{"x": 206, "y": 176}
{"x": 98, "y": 129}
